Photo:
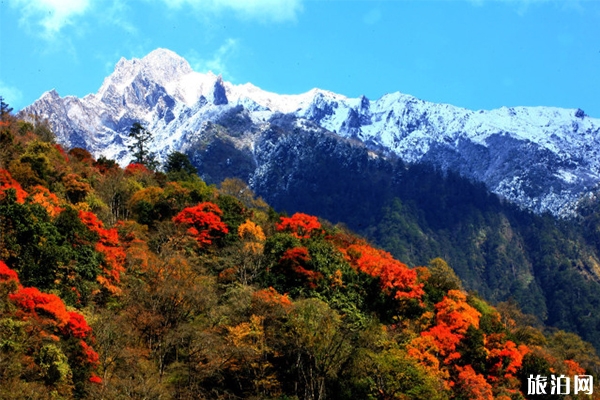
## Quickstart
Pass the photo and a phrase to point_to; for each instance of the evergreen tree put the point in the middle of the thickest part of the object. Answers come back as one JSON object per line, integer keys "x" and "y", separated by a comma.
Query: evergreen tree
{"x": 5, "y": 110}
{"x": 140, "y": 146}
{"x": 178, "y": 166}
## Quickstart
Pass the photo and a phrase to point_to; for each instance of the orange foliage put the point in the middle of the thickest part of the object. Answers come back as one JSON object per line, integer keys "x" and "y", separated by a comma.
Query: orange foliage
{"x": 505, "y": 357}
{"x": 139, "y": 256}
{"x": 573, "y": 368}
{"x": 396, "y": 278}
{"x": 423, "y": 349}
{"x": 473, "y": 385}
{"x": 32, "y": 301}
{"x": 436, "y": 348}
{"x": 7, "y": 182}
{"x": 7, "y": 274}
{"x": 251, "y": 231}
{"x": 453, "y": 318}
{"x": 295, "y": 256}
{"x": 109, "y": 246}
{"x": 454, "y": 312}
{"x": 271, "y": 299}
{"x": 42, "y": 196}
{"x": 300, "y": 225}
{"x": 203, "y": 221}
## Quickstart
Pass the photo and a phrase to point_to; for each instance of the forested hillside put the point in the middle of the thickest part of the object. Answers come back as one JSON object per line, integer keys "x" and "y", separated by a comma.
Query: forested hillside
{"x": 131, "y": 283}
{"x": 550, "y": 267}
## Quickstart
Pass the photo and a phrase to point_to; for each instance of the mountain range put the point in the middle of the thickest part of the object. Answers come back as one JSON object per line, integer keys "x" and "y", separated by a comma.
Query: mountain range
{"x": 543, "y": 159}
{"x": 484, "y": 190}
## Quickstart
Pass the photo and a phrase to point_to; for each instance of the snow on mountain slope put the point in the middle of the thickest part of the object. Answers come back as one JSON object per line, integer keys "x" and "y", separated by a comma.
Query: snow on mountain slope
{"x": 542, "y": 158}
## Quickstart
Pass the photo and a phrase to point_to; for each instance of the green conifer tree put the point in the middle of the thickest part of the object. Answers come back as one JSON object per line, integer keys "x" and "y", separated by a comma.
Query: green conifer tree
{"x": 140, "y": 146}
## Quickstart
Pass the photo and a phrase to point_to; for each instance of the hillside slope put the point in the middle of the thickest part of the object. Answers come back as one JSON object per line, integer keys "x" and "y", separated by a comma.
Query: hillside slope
{"x": 128, "y": 283}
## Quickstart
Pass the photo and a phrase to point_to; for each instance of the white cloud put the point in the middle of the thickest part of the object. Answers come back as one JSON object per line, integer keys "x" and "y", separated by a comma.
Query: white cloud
{"x": 51, "y": 15}
{"x": 264, "y": 10}
{"x": 12, "y": 96}
{"x": 523, "y": 6}
{"x": 117, "y": 13}
{"x": 218, "y": 62}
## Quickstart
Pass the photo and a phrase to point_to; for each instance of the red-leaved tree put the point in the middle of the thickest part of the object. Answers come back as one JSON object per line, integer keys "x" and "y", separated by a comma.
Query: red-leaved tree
{"x": 108, "y": 244}
{"x": 395, "y": 277}
{"x": 46, "y": 317}
{"x": 297, "y": 260}
{"x": 203, "y": 222}
{"x": 7, "y": 182}
{"x": 300, "y": 225}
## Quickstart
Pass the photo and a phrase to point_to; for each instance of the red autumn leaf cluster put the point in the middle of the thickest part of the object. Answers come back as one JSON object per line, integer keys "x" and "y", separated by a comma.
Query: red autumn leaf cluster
{"x": 395, "y": 277}
{"x": 203, "y": 222}
{"x": 77, "y": 326}
{"x": 33, "y": 302}
{"x": 300, "y": 225}
{"x": 95, "y": 379}
{"x": 295, "y": 256}
{"x": 504, "y": 356}
{"x": 7, "y": 182}
{"x": 109, "y": 246}
{"x": 90, "y": 356}
{"x": 62, "y": 152}
{"x": 453, "y": 317}
{"x": 48, "y": 312}
{"x": 7, "y": 274}
{"x": 297, "y": 259}
{"x": 136, "y": 169}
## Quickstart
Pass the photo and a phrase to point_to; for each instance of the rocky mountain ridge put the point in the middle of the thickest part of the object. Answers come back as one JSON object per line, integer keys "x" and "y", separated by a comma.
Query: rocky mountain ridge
{"x": 541, "y": 158}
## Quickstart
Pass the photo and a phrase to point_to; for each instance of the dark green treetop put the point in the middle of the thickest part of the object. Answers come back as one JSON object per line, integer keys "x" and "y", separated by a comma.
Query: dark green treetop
{"x": 140, "y": 146}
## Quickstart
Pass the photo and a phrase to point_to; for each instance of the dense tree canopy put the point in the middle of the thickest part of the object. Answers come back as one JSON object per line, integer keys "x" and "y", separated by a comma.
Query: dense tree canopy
{"x": 128, "y": 283}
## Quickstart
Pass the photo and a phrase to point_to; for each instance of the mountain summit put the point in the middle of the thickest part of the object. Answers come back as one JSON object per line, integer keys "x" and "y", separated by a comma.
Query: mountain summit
{"x": 542, "y": 158}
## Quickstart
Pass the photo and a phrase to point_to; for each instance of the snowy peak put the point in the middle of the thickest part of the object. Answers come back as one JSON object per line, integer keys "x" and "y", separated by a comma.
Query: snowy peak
{"x": 161, "y": 68}
{"x": 542, "y": 158}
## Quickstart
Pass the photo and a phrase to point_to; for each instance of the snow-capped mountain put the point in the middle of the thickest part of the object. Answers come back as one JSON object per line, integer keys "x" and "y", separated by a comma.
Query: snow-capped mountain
{"x": 542, "y": 158}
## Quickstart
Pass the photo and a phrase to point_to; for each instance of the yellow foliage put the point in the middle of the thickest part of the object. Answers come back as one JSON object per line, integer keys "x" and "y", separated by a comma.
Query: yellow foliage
{"x": 151, "y": 195}
{"x": 250, "y": 231}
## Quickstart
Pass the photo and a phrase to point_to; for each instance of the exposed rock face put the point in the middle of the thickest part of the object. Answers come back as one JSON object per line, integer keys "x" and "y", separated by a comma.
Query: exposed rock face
{"x": 542, "y": 158}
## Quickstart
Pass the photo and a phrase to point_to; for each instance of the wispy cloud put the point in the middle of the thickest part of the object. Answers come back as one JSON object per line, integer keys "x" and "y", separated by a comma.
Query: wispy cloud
{"x": 523, "y": 6}
{"x": 263, "y": 10}
{"x": 50, "y": 15}
{"x": 11, "y": 95}
{"x": 216, "y": 63}
{"x": 117, "y": 13}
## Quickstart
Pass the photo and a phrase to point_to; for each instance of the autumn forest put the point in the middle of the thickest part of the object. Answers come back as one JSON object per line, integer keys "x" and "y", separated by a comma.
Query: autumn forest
{"x": 144, "y": 282}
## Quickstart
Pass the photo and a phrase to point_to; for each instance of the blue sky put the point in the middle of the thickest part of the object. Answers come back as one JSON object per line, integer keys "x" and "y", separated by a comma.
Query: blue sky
{"x": 478, "y": 54}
